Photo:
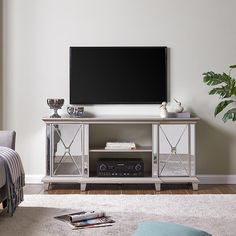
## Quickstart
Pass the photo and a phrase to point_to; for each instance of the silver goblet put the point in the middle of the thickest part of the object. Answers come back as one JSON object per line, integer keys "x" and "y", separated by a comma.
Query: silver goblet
{"x": 55, "y": 104}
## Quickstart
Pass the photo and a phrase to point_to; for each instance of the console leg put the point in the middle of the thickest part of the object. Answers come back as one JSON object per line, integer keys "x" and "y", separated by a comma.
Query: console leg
{"x": 195, "y": 186}
{"x": 46, "y": 186}
{"x": 82, "y": 187}
{"x": 158, "y": 187}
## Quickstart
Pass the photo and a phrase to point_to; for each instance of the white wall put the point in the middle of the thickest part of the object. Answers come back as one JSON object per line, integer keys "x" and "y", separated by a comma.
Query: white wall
{"x": 201, "y": 36}
{"x": 1, "y": 60}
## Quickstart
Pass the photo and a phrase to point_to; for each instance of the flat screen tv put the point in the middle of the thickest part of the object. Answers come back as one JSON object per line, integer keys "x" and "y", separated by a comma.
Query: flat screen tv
{"x": 118, "y": 75}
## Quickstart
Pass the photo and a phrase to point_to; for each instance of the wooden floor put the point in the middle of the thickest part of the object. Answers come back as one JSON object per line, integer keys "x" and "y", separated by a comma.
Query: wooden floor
{"x": 129, "y": 189}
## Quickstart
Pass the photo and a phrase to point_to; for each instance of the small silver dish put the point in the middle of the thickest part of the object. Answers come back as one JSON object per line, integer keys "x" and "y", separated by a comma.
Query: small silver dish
{"x": 75, "y": 111}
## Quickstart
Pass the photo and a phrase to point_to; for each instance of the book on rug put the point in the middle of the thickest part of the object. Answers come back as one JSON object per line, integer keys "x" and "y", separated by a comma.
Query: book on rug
{"x": 81, "y": 220}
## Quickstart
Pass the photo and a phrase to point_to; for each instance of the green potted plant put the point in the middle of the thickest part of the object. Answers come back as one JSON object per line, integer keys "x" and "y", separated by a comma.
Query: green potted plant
{"x": 225, "y": 87}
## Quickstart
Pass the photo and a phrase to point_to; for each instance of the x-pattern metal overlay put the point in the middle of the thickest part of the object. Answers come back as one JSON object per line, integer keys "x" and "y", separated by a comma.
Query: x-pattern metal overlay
{"x": 173, "y": 150}
{"x": 67, "y": 151}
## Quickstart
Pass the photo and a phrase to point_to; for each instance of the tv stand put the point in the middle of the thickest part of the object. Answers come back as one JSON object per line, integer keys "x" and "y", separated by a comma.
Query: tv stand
{"x": 166, "y": 146}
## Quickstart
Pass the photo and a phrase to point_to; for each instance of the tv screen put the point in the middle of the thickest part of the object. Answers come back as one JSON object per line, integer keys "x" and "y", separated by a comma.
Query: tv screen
{"x": 118, "y": 75}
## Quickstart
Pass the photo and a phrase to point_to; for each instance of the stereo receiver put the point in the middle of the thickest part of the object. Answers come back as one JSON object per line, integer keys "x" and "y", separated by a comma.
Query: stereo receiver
{"x": 122, "y": 167}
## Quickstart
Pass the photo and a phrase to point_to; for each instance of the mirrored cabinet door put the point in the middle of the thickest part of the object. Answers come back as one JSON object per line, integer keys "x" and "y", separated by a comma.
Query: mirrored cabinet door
{"x": 64, "y": 149}
{"x": 176, "y": 150}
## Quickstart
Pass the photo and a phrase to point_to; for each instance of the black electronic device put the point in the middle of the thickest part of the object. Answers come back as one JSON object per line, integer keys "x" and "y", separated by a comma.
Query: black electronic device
{"x": 123, "y": 167}
{"x": 118, "y": 75}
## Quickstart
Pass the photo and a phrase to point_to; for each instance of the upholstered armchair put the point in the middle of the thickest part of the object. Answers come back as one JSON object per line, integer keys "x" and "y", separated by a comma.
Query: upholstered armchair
{"x": 12, "y": 176}
{"x": 8, "y": 139}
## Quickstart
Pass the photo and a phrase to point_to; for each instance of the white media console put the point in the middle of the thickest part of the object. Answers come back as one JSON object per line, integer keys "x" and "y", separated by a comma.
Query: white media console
{"x": 166, "y": 146}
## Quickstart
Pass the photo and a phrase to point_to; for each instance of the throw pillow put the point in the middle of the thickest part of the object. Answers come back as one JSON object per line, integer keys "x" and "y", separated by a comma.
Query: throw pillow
{"x": 155, "y": 228}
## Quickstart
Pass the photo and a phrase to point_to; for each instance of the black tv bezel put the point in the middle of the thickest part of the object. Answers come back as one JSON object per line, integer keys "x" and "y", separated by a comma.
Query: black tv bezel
{"x": 121, "y": 103}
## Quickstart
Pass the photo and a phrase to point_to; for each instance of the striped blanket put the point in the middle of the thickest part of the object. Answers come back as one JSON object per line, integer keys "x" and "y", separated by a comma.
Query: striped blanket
{"x": 15, "y": 178}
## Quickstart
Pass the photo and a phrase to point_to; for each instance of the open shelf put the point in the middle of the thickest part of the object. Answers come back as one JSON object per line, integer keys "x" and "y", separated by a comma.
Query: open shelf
{"x": 95, "y": 156}
{"x": 138, "y": 149}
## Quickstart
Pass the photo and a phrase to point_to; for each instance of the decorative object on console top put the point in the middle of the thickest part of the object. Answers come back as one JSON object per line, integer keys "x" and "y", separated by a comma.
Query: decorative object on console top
{"x": 179, "y": 111}
{"x": 55, "y": 104}
{"x": 75, "y": 111}
{"x": 185, "y": 114}
{"x": 179, "y": 107}
{"x": 163, "y": 110}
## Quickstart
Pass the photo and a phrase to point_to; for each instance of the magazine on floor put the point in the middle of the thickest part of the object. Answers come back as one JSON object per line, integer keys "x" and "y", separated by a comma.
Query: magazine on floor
{"x": 86, "y": 216}
{"x": 81, "y": 220}
{"x": 66, "y": 217}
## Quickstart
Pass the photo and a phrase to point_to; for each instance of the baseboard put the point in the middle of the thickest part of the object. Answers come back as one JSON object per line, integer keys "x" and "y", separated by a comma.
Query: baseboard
{"x": 204, "y": 179}
{"x": 33, "y": 179}
{"x": 217, "y": 179}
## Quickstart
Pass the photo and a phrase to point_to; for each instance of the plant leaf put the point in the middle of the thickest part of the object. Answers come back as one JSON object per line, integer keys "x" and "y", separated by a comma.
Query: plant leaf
{"x": 230, "y": 115}
{"x": 232, "y": 66}
{"x": 227, "y": 88}
{"x": 222, "y": 91}
{"x": 221, "y": 106}
{"x": 211, "y": 78}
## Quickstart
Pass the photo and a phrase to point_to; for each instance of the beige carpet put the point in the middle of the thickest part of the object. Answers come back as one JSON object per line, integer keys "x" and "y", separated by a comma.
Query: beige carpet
{"x": 213, "y": 213}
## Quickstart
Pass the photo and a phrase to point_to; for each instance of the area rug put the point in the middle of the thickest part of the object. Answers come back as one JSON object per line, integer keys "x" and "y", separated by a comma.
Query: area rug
{"x": 215, "y": 214}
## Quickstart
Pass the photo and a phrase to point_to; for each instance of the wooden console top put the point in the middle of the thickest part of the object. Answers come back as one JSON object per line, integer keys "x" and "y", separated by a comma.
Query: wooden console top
{"x": 120, "y": 119}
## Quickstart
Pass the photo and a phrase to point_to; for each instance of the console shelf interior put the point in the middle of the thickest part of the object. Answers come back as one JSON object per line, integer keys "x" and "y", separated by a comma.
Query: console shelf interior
{"x": 138, "y": 149}
{"x": 100, "y": 134}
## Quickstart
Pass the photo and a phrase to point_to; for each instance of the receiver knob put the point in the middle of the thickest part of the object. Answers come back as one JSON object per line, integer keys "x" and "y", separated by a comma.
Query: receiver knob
{"x": 138, "y": 167}
{"x": 102, "y": 167}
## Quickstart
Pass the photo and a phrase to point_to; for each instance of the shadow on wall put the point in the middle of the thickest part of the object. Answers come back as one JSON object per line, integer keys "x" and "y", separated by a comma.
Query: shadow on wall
{"x": 212, "y": 149}
{"x": 1, "y": 63}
